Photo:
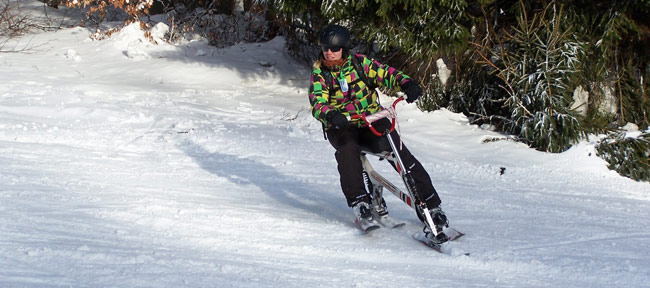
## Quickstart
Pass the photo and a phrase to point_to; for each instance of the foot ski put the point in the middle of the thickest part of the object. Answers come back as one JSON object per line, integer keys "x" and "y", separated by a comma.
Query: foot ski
{"x": 451, "y": 233}
{"x": 389, "y": 222}
{"x": 367, "y": 226}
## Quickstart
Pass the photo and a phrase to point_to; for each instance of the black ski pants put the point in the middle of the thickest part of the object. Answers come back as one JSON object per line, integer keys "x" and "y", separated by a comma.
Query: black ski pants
{"x": 347, "y": 143}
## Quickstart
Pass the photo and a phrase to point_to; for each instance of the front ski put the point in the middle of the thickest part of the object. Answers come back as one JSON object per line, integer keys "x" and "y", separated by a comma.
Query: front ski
{"x": 444, "y": 248}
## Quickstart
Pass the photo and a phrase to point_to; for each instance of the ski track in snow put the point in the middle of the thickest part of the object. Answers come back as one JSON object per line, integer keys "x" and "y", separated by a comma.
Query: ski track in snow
{"x": 188, "y": 170}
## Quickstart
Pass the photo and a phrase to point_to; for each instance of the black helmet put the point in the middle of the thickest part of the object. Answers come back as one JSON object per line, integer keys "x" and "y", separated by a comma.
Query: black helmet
{"x": 335, "y": 36}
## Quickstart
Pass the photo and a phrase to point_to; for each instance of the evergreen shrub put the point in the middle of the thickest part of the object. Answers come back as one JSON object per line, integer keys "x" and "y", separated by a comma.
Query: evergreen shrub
{"x": 629, "y": 156}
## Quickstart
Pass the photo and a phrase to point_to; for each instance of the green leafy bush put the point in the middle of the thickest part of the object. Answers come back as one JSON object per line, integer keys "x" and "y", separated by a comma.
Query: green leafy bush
{"x": 629, "y": 156}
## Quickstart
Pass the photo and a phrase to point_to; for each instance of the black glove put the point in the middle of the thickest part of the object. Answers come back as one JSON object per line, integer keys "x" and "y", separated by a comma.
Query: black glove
{"x": 412, "y": 90}
{"x": 337, "y": 119}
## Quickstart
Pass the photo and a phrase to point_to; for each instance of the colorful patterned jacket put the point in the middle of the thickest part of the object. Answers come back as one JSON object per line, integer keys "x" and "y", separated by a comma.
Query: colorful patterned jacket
{"x": 359, "y": 99}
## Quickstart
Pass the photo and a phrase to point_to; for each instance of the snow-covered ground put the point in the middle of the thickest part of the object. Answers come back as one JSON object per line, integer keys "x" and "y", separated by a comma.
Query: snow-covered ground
{"x": 129, "y": 164}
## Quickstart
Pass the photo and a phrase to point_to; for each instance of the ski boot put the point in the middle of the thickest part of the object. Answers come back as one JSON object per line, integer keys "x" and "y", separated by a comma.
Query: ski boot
{"x": 440, "y": 221}
{"x": 380, "y": 210}
{"x": 364, "y": 217}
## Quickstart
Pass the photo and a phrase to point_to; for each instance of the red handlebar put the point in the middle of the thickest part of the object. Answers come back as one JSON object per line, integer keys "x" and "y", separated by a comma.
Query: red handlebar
{"x": 380, "y": 115}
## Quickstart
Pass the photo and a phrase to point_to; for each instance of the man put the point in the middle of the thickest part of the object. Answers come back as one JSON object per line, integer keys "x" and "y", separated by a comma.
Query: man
{"x": 342, "y": 85}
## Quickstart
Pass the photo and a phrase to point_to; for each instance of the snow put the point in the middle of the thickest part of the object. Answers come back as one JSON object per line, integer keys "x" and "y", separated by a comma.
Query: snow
{"x": 125, "y": 163}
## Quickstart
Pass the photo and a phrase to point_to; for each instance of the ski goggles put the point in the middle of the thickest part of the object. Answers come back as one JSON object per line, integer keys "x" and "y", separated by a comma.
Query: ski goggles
{"x": 332, "y": 48}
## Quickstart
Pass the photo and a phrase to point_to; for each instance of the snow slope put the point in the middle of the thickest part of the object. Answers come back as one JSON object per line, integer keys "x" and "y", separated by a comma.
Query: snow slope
{"x": 129, "y": 164}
